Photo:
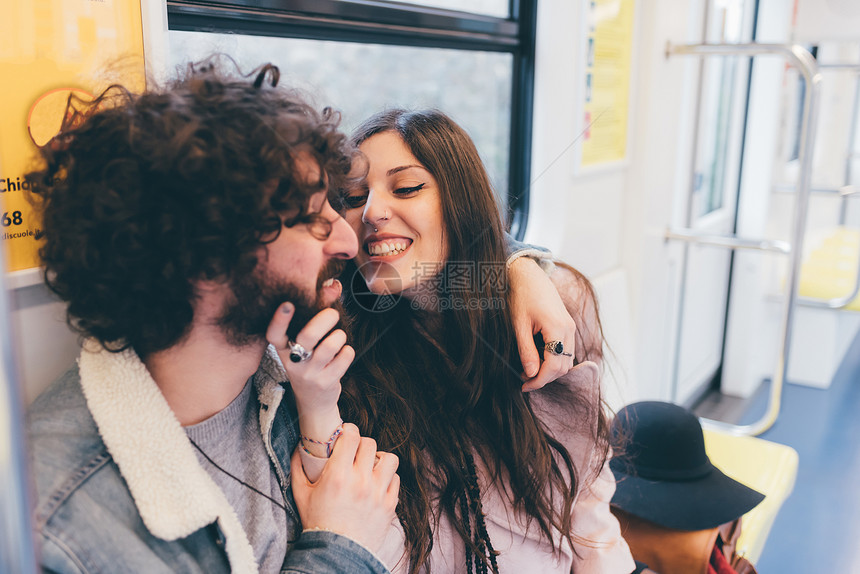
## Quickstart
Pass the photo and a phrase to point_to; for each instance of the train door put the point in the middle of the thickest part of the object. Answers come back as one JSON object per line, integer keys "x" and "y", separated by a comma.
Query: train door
{"x": 711, "y": 199}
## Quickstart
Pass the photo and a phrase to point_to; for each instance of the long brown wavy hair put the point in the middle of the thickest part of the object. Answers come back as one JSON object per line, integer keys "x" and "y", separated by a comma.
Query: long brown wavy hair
{"x": 436, "y": 387}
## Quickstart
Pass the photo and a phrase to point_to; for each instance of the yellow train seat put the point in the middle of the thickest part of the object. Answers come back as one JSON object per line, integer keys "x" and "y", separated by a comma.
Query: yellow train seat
{"x": 821, "y": 337}
{"x": 830, "y": 270}
{"x": 765, "y": 466}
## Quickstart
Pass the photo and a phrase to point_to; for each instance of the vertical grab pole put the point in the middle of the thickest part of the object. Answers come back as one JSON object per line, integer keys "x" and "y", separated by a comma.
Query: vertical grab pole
{"x": 852, "y": 135}
{"x": 800, "y": 59}
{"x": 17, "y": 553}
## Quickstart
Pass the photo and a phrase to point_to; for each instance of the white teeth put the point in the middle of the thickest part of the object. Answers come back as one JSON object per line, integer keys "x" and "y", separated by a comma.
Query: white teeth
{"x": 387, "y": 247}
{"x": 328, "y": 282}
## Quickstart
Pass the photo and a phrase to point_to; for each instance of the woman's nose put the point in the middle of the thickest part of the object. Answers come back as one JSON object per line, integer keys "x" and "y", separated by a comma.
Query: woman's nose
{"x": 376, "y": 210}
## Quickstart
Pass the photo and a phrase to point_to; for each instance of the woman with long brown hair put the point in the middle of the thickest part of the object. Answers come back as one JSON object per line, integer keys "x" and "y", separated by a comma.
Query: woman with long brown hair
{"x": 492, "y": 479}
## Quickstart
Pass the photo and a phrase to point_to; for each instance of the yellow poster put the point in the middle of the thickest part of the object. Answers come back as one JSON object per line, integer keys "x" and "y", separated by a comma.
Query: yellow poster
{"x": 608, "y": 49}
{"x": 50, "y": 49}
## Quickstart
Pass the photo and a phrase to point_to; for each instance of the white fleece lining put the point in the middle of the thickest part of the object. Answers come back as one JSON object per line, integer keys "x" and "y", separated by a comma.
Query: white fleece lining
{"x": 173, "y": 493}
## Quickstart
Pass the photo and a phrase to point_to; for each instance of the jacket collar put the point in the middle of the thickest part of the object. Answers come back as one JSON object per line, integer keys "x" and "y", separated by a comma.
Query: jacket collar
{"x": 174, "y": 495}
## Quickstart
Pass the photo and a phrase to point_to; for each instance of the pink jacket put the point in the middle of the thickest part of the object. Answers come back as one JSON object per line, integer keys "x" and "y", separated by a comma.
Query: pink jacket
{"x": 602, "y": 549}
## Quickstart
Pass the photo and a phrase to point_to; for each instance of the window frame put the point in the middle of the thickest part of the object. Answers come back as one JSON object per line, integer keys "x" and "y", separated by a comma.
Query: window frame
{"x": 393, "y": 23}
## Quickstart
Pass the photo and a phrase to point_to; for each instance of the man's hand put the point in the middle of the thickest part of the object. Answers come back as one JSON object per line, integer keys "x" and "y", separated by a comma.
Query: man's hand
{"x": 536, "y": 307}
{"x": 355, "y": 496}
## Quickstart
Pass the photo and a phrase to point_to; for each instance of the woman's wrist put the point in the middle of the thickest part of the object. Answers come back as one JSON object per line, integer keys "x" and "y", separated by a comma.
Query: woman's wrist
{"x": 320, "y": 432}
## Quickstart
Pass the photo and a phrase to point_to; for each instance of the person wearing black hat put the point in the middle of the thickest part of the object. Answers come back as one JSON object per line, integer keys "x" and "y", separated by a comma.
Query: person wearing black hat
{"x": 678, "y": 512}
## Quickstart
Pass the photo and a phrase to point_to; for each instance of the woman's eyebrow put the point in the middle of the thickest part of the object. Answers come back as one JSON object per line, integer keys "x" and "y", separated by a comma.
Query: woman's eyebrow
{"x": 398, "y": 169}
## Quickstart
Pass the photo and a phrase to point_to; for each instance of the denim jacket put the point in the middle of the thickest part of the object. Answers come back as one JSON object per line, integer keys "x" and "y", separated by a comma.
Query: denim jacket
{"x": 119, "y": 489}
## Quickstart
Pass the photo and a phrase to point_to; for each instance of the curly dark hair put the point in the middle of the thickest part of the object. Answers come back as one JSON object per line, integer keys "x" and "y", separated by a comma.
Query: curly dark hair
{"x": 143, "y": 195}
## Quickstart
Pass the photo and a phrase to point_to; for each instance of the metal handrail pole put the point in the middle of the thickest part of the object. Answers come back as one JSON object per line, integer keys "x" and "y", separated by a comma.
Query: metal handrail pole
{"x": 846, "y": 192}
{"x": 797, "y": 56}
{"x": 800, "y": 59}
{"x": 772, "y": 245}
{"x": 730, "y": 241}
{"x": 844, "y": 67}
{"x": 852, "y": 136}
{"x": 788, "y": 188}
{"x": 17, "y": 552}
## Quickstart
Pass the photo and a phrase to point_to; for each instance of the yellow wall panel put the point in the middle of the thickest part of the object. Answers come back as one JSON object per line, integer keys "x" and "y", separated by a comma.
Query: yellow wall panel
{"x": 48, "y": 49}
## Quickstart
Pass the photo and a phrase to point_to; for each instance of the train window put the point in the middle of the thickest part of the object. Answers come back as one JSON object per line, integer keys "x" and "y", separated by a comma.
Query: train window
{"x": 489, "y": 7}
{"x": 361, "y": 79}
{"x": 362, "y": 57}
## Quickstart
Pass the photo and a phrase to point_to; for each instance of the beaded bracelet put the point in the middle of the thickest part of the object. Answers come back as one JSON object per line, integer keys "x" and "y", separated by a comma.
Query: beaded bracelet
{"x": 329, "y": 444}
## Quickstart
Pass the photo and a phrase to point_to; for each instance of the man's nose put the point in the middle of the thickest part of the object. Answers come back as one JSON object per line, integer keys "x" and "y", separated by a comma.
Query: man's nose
{"x": 342, "y": 242}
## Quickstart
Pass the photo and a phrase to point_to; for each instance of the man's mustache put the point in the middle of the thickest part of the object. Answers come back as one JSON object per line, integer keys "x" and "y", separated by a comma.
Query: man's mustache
{"x": 332, "y": 270}
{"x": 304, "y": 313}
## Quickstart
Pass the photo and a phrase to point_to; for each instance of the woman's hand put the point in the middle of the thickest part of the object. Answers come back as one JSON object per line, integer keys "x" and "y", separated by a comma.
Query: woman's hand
{"x": 536, "y": 307}
{"x": 316, "y": 381}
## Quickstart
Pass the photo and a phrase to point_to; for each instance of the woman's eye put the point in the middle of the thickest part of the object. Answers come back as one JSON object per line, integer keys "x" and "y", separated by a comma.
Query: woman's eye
{"x": 408, "y": 190}
{"x": 353, "y": 201}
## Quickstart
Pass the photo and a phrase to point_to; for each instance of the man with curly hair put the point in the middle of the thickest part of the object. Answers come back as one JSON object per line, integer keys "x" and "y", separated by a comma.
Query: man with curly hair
{"x": 176, "y": 223}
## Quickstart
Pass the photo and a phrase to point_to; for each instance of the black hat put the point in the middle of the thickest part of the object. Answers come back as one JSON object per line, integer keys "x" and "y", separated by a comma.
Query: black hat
{"x": 664, "y": 475}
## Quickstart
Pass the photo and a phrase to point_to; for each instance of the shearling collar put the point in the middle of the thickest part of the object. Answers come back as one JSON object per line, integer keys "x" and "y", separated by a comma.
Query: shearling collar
{"x": 174, "y": 495}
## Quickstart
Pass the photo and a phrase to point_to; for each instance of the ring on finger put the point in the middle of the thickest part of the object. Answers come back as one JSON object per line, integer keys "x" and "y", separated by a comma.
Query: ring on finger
{"x": 556, "y": 348}
{"x": 298, "y": 354}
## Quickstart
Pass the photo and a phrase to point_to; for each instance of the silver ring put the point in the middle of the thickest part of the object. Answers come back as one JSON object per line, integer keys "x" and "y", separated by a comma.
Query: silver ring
{"x": 298, "y": 354}
{"x": 556, "y": 348}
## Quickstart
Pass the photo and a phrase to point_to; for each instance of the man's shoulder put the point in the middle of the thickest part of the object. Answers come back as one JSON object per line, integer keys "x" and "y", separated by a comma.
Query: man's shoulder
{"x": 63, "y": 440}
{"x": 60, "y": 416}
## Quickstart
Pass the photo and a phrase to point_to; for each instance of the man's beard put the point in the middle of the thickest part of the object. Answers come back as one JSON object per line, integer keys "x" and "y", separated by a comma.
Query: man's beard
{"x": 256, "y": 298}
